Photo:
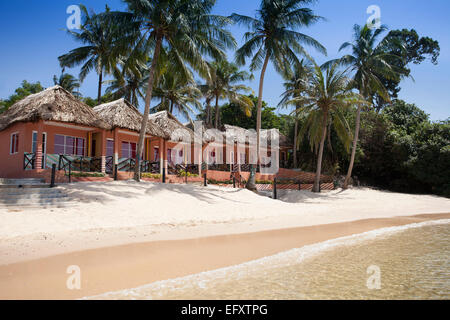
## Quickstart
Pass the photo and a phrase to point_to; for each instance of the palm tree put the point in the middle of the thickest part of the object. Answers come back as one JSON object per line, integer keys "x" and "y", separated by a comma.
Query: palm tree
{"x": 128, "y": 83}
{"x": 273, "y": 37}
{"x": 370, "y": 62}
{"x": 223, "y": 83}
{"x": 182, "y": 29}
{"x": 176, "y": 93}
{"x": 68, "y": 82}
{"x": 102, "y": 48}
{"x": 326, "y": 97}
{"x": 295, "y": 85}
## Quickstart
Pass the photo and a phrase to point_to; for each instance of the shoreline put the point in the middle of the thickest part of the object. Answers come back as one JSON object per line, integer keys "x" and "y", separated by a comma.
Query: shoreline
{"x": 131, "y": 265}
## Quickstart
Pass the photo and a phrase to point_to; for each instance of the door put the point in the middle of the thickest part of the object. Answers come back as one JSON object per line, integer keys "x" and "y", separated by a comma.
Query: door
{"x": 44, "y": 150}
{"x": 93, "y": 147}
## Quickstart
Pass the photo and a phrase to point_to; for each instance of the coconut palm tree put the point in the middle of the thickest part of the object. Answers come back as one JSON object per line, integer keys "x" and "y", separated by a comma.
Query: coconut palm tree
{"x": 369, "y": 62}
{"x": 129, "y": 80}
{"x": 103, "y": 45}
{"x": 224, "y": 83}
{"x": 273, "y": 37}
{"x": 68, "y": 82}
{"x": 326, "y": 96}
{"x": 295, "y": 85}
{"x": 185, "y": 30}
{"x": 176, "y": 93}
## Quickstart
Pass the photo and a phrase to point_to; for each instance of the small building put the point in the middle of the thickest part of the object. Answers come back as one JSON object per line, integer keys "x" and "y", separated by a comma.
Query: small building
{"x": 42, "y": 125}
{"x": 53, "y": 127}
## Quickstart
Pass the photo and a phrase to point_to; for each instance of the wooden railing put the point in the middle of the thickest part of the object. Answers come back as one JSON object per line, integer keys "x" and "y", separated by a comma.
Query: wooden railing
{"x": 29, "y": 161}
{"x": 109, "y": 164}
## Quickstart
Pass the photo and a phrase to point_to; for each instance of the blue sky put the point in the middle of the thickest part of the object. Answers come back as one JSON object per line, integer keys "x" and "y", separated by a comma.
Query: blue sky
{"x": 32, "y": 38}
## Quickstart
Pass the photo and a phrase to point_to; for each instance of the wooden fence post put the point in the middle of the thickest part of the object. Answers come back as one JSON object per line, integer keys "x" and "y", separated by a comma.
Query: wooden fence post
{"x": 52, "y": 181}
{"x": 164, "y": 175}
{"x": 275, "y": 188}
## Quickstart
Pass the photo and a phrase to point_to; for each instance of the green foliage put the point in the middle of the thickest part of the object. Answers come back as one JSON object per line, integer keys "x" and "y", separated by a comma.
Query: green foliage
{"x": 232, "y": 113}
{"x": 151, "y": 175}
{"x": 68, "y": 82}
{"x": 25, "y": 90}
{"x": 401, "y": 150}
{"x": 183, "y": 173}
{"x": 405, "y": 116}
{"x": 87, "y": 174}
{"x": 213, "y": 181}
{"x": 413, "y": 49}
{"x": 176, "y": 93}
{"x": 224, "y": 82}
{"x": 108, "y": 97}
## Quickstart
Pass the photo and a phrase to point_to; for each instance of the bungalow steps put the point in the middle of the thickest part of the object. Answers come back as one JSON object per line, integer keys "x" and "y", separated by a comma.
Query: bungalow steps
{"x": 17, "y": 198}
{"x": 19, "y": 182}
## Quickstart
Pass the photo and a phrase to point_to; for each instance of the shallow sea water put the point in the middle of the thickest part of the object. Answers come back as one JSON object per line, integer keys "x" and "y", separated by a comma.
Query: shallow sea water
{"x": 413, "y": 263}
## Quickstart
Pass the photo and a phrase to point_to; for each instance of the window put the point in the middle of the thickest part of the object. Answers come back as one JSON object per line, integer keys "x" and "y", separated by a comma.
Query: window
{"x": 109, "y": 148}
{"x": 128, "y": 150}
{"x": 14, "y": 145}
{"x": 169, "y": 155}
{"x": 69, "y": 145}
{"x": 242, "y": 158}
{"x": 34, "y": 142}
{"x": 156, "y": 154}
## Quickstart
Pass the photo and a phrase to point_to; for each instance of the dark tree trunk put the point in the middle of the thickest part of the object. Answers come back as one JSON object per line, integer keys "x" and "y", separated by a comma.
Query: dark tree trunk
{"x": 295, "y": 164}
{"x": 100, "y": 81}
{"x": 148, "y": 99}
{"x": 208, "y": 111}
{"x": 217, "y": 112}
{"x": 316, "y": 186}
{"x": 355, "y": 144}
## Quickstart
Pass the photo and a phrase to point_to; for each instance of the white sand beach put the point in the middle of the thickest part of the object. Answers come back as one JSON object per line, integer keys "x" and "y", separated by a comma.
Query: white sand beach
{"x": 116, "y": 213}
{"x": 120, "y": 218}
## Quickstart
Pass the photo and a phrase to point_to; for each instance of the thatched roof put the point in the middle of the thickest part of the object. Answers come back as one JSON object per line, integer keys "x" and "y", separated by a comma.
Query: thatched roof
{"x": 173, "y": 128}
{"x": 240, "y": 135}
{"x": 122, "y": 114}
{"x": 52, "y": 104}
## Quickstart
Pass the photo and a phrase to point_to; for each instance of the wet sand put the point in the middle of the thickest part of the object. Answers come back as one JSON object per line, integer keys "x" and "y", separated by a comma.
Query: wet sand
{"x": 127, "y": 266}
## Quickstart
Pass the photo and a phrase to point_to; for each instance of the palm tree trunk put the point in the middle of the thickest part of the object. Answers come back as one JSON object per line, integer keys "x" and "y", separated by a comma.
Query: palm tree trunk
{"x": 217, "y": 112}
{"x": 208, "y": 111}
{"x": 251, "y": 183}
{"x": 148, "y": 98}
{"x": 100, "y": 80}
{"x": 355, "y": 143}
{"x": 295, "y": 140}
{"x": 316, "y": 186}
{"x": 330, "y": 146}
{"x": 171, "y": 107}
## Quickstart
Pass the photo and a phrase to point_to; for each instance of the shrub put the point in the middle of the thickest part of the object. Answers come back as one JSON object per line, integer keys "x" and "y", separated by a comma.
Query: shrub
{"x": 151, "y": 175}
{"x": 183, "y": 173}
{"x": 87, "y": 174}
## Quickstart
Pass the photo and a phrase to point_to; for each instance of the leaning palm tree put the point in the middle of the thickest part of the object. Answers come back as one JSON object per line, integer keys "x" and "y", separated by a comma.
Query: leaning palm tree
{"x": 185, "y": 30}
{"x": 295, "y": 85}
{"x": 273, "y": 37}
{"x": 369, "y": 62}
{"x": 224, "y": 83}
{"x": 102, "y": 48}
{"x": 326, "y": 96}
{"x": 176, "y": 93}
{"x": 68, "y": 82}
